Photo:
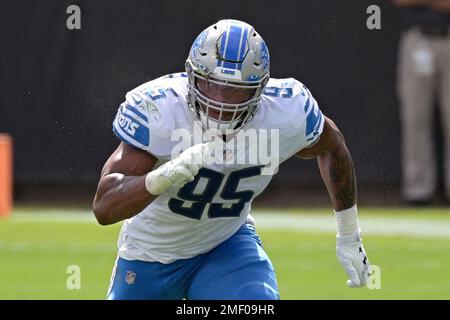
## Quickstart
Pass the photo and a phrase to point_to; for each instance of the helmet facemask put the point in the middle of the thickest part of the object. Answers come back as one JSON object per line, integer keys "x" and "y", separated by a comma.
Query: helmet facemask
{"x": 220, "y": 114}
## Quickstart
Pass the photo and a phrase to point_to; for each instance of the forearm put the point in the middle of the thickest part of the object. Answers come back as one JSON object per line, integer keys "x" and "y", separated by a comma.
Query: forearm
{"x": 120, "y": 197}
{"x": 338, "y": 174}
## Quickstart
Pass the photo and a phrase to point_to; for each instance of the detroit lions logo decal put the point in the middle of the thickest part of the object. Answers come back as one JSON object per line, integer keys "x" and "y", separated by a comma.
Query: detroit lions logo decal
{"x": 198, "y": 43}
{"x": 264, "y": 56}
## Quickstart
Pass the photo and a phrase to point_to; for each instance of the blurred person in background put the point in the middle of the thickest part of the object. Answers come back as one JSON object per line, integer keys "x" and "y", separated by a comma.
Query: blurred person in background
{"x": 424, "y": 81}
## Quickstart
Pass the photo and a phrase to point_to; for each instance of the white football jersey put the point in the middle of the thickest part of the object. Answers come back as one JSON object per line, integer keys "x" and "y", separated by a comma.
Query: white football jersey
{"x": 185, "y": 222}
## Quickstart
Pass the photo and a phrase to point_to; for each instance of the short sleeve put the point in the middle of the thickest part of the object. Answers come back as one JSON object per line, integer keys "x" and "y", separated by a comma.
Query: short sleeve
{"x": 314, "y": 119}
{"x": 131, "y": 123}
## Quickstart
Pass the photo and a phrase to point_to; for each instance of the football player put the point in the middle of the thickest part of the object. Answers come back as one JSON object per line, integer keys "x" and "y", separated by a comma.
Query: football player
{"x": 187, "y": 231}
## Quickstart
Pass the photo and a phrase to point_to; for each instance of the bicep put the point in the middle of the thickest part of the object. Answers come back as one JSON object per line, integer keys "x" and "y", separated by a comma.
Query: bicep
{"x": 329, "y": 140}
{"x": 129, "y": 161}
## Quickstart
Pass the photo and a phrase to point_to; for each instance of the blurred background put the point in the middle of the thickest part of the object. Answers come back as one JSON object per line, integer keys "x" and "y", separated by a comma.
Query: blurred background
{"x": 60, "y": 90}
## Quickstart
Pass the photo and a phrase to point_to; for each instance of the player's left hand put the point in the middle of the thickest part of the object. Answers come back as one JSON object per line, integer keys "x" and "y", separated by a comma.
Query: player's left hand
{"x": 352, "y": 256}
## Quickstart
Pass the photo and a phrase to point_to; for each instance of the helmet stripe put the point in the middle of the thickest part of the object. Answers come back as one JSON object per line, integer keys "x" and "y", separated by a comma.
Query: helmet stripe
{"x": 234, "y": 37}
{"x": 223, "y": 50}
{"x": 242, "y": 46}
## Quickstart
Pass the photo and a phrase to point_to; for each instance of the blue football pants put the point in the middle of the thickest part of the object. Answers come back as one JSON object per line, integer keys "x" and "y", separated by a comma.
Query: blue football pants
{"x": 237, "y": 269}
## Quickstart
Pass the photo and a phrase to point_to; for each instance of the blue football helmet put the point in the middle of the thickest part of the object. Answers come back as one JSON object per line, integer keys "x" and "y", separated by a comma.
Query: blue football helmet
{"x": 231, "y": 56}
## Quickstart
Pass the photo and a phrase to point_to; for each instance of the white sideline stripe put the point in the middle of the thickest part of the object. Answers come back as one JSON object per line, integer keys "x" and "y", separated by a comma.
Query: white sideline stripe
{"x": 405, "y": 226}
{"x": 48, "y": 247}
{"x": 71, "y": 216}
{"x": 383, "y": 225}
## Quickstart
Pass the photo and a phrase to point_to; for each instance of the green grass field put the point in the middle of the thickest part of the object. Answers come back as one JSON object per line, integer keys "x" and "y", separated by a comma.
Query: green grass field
{"x": 411, "y": 248}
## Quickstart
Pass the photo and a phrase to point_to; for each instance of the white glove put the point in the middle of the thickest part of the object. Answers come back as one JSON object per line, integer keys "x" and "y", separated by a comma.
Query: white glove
{"x": 178, "y": 171}
{"x": 349, "y": 248}
{"x": 352, "y": 256}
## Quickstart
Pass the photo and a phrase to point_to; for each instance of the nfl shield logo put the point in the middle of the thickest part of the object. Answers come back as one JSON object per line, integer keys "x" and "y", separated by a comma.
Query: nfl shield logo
{"x": 131, "y": 276}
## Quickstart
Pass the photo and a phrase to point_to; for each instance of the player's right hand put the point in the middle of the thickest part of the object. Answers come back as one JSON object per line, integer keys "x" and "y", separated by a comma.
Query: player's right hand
{"x": 178, "y": 171}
